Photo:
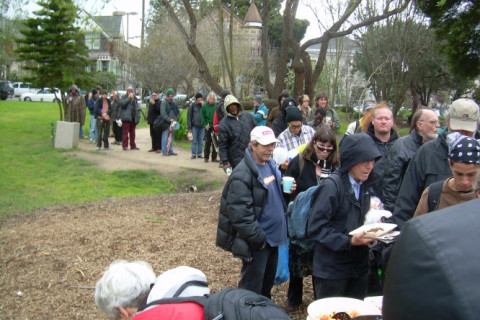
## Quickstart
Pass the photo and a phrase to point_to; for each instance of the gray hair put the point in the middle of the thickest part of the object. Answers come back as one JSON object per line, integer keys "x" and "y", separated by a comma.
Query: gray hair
{"x": 124, "y": 284}
{"x": 211, "y": 94}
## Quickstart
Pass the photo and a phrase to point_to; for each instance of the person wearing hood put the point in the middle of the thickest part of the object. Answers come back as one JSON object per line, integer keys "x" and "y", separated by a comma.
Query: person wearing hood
{"x": 234, "y": 133}
{"x": 339, "y": 206}
{"x": 430, "y": 164}
{"x": 260, "y": 111}
{"x": 76, "y": 108}
{"x": 152, "y": 114}
{"x": 280, "y": 123}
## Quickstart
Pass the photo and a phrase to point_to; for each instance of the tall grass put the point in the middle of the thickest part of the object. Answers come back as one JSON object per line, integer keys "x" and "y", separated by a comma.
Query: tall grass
{"x": 35, "y": 175}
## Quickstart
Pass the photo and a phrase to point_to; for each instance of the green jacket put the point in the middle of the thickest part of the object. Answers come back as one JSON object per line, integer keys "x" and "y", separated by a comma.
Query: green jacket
{"x": 207, "y": 114}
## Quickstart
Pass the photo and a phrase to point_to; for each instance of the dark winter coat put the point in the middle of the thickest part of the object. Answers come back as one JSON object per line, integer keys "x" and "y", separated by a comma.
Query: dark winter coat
{"x": 241, "y": 205}
{"x": 383, "y": 147}
{"x": 331, "y": 219}
{"x": 194, "y": 116}
{"x": 153, "y": 111}
{"x": 99, "y": 107}
{"x": 433, "y": 269}
{"x": 169, "y": 110}
{"x": 396, "y": 163}
{"x": 234, "y": 136}
{"x": 429, "y": 165}
{"x": 280, "y": 123}
{"x": 130, "y": 110}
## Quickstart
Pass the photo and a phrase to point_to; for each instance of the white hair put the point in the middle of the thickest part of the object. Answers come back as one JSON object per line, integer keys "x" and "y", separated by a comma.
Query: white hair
{"x": 211, "y": 94}
{"x": 124, "y": 284}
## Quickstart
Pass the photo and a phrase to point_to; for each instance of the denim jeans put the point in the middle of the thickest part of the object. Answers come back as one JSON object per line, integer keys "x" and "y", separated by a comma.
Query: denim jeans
{"x": 164, "y": 142}
{"x": 93, "y": 128}
{"x": 81, "y": 131}
{"x": 197, "y": 142}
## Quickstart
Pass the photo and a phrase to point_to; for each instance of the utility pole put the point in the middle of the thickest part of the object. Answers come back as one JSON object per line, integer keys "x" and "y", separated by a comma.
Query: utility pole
{"x": 143, "y": 24}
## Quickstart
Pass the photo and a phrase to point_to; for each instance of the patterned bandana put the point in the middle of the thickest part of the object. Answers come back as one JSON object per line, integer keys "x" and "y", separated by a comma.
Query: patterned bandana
{"x": 463, "y": 149}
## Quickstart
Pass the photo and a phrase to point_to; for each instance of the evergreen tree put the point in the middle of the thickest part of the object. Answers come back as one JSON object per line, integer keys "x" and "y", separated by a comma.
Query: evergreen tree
{"x": 54, "y": 48}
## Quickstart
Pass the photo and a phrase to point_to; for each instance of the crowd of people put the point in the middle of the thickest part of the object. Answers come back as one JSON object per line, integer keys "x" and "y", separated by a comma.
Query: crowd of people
{"x": 431, "y": 168}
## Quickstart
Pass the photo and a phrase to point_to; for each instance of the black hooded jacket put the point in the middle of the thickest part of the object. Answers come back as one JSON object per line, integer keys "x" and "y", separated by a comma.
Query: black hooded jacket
{"x": 433, "y": 269}
{"x": 280, "y": 123}
{"x": 234, "y": 136}
{"x": 383, "y": 147}
{"x": 331, "y": 220}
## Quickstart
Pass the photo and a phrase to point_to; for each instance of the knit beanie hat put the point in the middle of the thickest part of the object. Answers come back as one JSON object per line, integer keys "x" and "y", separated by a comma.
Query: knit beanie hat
{"x": 198, "y": 95}
{"x": 170, "y": 91}
{"x": 225, "y": 93}
{"x": 294, "y": 114}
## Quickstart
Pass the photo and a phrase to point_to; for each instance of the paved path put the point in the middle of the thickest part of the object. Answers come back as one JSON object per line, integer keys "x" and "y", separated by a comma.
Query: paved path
{"x": 171, "y": 166}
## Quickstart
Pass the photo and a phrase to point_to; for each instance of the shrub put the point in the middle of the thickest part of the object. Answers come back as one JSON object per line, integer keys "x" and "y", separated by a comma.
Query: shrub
{"x": 182, "y": 132}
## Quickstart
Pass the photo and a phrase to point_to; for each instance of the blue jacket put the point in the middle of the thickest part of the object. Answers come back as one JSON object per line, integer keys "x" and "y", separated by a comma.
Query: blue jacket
{"x": 260, "y": 114}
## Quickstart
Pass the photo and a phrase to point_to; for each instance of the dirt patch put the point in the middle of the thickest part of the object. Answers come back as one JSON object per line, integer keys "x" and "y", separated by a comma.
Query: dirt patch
{"x": 50, "y": 260}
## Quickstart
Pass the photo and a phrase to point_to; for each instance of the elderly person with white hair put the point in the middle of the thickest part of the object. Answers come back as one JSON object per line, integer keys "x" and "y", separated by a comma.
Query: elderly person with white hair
{"x": 127, "y": 288}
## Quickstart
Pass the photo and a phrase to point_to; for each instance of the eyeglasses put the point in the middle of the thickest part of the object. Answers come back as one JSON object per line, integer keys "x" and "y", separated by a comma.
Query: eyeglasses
{"x": 295, "y": 127}
{"x": 431, "y": 121}
{"x": 322, "y": 149}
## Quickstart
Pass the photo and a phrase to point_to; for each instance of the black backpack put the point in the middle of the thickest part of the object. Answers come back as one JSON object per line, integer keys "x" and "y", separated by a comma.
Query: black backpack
{"x": 434, "y": 193}
{"x": 233, "y": 304}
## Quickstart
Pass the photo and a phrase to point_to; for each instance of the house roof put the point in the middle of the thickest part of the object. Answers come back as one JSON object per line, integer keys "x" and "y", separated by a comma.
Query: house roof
{"x": 253, "y": 15}
{"x": 110, "y": 24}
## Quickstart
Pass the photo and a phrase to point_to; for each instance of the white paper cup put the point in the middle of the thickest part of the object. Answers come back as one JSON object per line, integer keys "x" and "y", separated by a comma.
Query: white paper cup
{"x": 287, "y": 184}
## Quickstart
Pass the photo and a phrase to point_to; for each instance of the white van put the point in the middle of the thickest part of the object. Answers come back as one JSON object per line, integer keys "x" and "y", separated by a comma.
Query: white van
{"x": 22, "y": 87}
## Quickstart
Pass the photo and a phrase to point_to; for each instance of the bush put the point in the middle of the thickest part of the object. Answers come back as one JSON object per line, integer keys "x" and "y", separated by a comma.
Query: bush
{"x": 182, "y": 132}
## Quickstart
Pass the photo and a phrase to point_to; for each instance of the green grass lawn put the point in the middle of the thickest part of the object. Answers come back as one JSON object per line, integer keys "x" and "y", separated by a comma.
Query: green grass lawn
{"x": 35, "y": 175}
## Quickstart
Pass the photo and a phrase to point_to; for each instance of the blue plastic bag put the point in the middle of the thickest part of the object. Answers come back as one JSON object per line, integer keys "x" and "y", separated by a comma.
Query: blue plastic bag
{"x": 282, "y": 274}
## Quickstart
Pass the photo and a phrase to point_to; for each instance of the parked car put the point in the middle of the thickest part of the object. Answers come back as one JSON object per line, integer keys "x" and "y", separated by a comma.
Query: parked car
{"x": 44, "y": 94}
{"x": 6, "y": 90}
{"x": 122, "y": 93}
{"x": 180, "y": 99}
{"x": 23, "y": 87}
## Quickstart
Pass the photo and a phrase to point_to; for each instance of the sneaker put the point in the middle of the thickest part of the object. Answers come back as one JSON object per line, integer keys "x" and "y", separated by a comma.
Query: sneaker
{"x": 193, "y": 157}
{"x": 206, "y": 160}
{"x": 165, "y": 154}
{"x": 97, "y": 148}
{"x": 152, "y": 150}
{"x": 199, "y": 156}
{"x": 174, "y": 154}
{"x": 107, "y": 148}
{"x": 215, "y": 160}
{"x": 125, "y": 149}
{"x": 134, "y": 148}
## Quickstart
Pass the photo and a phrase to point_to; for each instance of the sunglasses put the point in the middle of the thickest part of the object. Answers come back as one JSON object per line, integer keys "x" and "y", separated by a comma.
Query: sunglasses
{"x": 322, "y": 149}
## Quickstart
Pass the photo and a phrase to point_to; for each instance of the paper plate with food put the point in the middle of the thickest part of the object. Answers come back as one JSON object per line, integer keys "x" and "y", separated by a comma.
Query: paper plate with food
{"x": 324, "y": 309}
{"x": 374, "y": 230}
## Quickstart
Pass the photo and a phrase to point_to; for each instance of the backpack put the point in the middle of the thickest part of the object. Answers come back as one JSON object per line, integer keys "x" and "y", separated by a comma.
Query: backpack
{"x": 298, "y": 212}
{"x": 241, "y": 304}
{"x": 232, "y": 304}
{"x": 434, "y": 193}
